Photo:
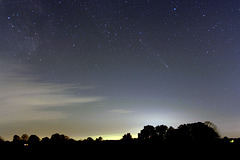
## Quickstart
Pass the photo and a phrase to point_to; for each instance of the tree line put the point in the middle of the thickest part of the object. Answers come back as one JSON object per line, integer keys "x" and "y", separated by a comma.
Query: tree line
{"x": 187, "y": 140}
{"x": 197, "y": 132}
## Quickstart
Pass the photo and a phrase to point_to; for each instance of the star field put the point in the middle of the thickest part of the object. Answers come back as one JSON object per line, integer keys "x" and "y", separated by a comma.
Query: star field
{"x": 117, "y": 65}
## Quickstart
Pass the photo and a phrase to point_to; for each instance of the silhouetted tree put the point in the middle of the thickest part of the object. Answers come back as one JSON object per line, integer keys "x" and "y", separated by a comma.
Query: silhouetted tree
{"x": 203, "y": 132}
{"x": 211, "y": 125}
{"x": 99, "y": 139}
{"x": 127, "y": 137}
{"x": 16, "y": 138}
{"x": 183, "y": 133}
{"x": 25, "y": 137}
{"x": 171, "y": 134}
{"x": 147, "y": 132}
{"x": 57, "y": 138}
{"x": 33, "y": 139}
{"x": 45, "y": 140}
{"x": 66, "y": 138}
{"x": 161, "y": 132}
{"x": 193, "y": 132}
{"x": 89, "y": 139}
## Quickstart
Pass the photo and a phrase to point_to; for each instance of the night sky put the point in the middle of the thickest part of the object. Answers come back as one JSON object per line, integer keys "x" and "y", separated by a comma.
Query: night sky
{"x": 107, "y": 67}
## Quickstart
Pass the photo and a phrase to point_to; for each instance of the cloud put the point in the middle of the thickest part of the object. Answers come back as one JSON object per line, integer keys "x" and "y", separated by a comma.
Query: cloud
{"x": 24, "y": 98}
{"x": 121, "y": 111}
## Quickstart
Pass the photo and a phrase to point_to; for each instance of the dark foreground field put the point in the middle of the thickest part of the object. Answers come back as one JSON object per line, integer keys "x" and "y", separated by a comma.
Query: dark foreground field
{"x": 133, "y": 149}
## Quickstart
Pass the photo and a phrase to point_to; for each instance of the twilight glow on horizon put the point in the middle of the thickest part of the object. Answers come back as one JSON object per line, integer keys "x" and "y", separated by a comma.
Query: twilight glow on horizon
{"x": 105, "y": 68}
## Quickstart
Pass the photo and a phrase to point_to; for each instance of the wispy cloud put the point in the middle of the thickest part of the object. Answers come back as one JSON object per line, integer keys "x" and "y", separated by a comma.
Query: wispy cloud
{"x": 121, "y": 111}
{"x": 24, "y": 98}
